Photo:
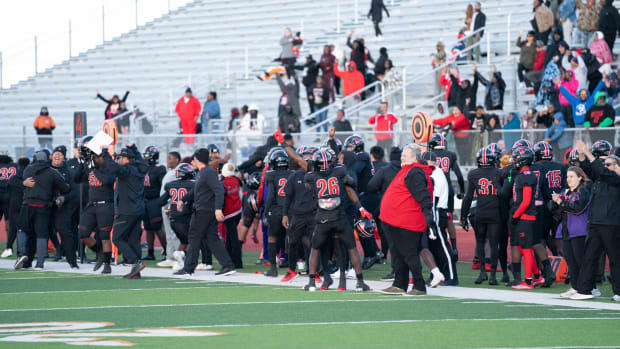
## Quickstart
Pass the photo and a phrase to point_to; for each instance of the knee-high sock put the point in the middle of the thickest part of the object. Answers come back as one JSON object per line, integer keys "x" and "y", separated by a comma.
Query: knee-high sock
{"x": 529, "y": 262}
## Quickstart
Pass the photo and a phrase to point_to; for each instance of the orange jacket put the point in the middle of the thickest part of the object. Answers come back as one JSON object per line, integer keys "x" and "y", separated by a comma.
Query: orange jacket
{"x": 352, "y": 81}
{"x": 189, "y": 110}
{"x": 44, "y": 124}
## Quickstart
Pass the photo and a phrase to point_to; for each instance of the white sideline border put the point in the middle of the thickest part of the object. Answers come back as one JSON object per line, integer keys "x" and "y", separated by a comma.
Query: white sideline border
{"x": 458, "y": 292}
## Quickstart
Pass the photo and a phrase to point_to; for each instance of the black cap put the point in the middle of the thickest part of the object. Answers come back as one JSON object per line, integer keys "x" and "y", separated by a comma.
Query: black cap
{"x": 188, "y": 90}
{"x": 202, "y": 155}
{"x": 61, "y": 149}
{"x": 395, "y": 153}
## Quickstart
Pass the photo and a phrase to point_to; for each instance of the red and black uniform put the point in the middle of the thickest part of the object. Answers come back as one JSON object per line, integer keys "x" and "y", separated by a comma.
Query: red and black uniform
{"x": 484, "y": 185}
{"x": 249, "y": 202}
{"x": 15, "y": 191}
{"x": 152, "y": 187}
{"x": 554, "y": 174}
{"x": 446, "y": 161}
{"x": 175, "y": 191}
{"x": 98, "y": 215}
{"x": 275, "y": 182}
{"x": 232, "y": 216}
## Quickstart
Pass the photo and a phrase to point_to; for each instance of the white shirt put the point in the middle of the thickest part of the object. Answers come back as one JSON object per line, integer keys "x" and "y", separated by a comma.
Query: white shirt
{"x": 248, "y": 124}
{"x": 440, "y": 188}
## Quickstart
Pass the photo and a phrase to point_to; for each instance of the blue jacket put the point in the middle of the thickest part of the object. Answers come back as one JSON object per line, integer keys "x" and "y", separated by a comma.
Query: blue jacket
{"x": 580, "y": 108}
{"x": 557, "y": 134}
{"x": 567, "y": 10}
{"x": 515, "y": 124}
{"x": 213, "y": 109}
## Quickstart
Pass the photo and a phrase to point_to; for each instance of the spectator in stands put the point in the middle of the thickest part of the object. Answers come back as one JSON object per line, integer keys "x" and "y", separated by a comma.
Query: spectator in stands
{"x": 555, "y": 134}
{"x": 553, "y": 47}
{"x": 478, "y": 21}
{"x": 530, "y": 119}
{"x": 609, "y": 22}
{"x": 600, "y": 114}
{"x": 44, "y": 126}
{"x": 587, "y": 21}
{"x": 327, "y": 68}
{"x": 312, "y": 71}
{"x": 592, "y": 64}
{"x": 288, "y": 121}
{"x": 571, "y": 85}
{"x": 547, "y": 92}
{"x": 512, "y": 123}
{"x": 112, "y": 104}
{"x": 211, "y": 111}
{"x": 338, "y": 55}
{"x": 439, "y": 58}
{"x": 479, "y": 119}
{"x": 611, "y": 84}
{"x": 491, "y": 124}
{"x": 288, "y": 55}
{"x": 469, "y": 16}
{"x": 342, "y": 126}
{"x": 457, "y": 123}
{"x": 526, "y": 57}
{"x": 392, "y": 80}
{"x": 290, "y": 96}
{"x": 318, "y": 94}
{"x": 376, "y": 12}
{"x": 464, "y": 93}
{"x": 567, "y": 15}
{"x": 357, "y": 52}
{"x": 384, "y": 122}
{"x": 122, "y": 123}
{"x": 600, "y": 49}
{"x": 352, "y": 79}
{"x": 252, "y": 121}
{"x": 380, "y": 64}
{"x": 234, "y": 119}
{"x": 565, "y": 55}
{"x": 450, "y": 80}
{"x": 581, "y": 102}
{"x": 188, "y": 111}
{"x": 494, "y": 96}
{"x": 542, "y": 22}
{"x": 545, "y": 116}
{"x": 533, "y": 78}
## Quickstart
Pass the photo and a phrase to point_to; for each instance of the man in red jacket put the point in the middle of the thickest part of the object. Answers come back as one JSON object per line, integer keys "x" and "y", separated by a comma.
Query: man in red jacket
{"x": 406, "y": 211}
{"x": 457, "y": 122}
{"x": 384, "y": 122}
{"x": 188, "y": 109}
{"x": 534, "y": 77}
{"x": 352, "y": 79}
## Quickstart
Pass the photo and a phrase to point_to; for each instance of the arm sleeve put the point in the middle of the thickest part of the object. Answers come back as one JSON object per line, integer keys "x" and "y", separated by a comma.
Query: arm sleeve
{"x": 349, "y": 42}
{"x": 101, "y": 98}
{"x": 467, "y": 199}
{"x": 337, "y": 71}
{"x": 271, "y": 193}
{"x": 605, "y": 175}
{"x": 163, "y": 199}
{"x": 61, "y": 184}
{"x": 112, "y": 167}
{"x": 417, "y": 184}
{"x": 374, "y": 185}
{"x": 289, "y": 190}
{"x": 280, "y": 83}
{"x": 525, "y": 203}
{"x": 608, "y": 121}
{"x": 125, "y": 96}
{"x": 482, "y": 79}
{"x": 459, "y": 176}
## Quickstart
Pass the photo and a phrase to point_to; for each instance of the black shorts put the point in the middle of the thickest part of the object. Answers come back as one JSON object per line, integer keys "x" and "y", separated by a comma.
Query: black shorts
{"x": 99, "y": 218}
{"x": 152, "y": 215}
{"x": 443, "y": 217}
{"x": 423, "y": 242}
{"x": 275, "y": 227}
{"x": 181, "y": 229}
{"x": 539, "y": 228}
{"x": 341, "y": 229}
{"x": 301, "y": 225}
{"x": 522, "y": 233}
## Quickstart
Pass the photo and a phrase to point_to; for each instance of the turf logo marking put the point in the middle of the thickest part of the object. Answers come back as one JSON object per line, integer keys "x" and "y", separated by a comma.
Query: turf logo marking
{"x": 47, "y": 335}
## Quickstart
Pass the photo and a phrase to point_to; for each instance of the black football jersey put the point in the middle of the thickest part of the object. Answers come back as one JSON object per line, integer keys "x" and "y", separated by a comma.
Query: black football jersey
{"x": 329, "y": 187}
{"x": 555, "y": 177}
{"x": 174, "y": 192}
{"x": 100, "y": 184}
{"x": 152, "y": 181}
{"x": 483, "y": 184}
{"x": 364, "y": 170}
{"x": 527, "y": 178}
{"x": 299, "y": 199}
{"x": 446, "y": 161}
{"x": 7, "y": 170}
{"x": 276, "y": 181}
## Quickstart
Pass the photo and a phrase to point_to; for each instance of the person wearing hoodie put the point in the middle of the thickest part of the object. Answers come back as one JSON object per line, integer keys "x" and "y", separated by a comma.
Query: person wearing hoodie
{"x": 494, "y": 96}
{"x": 312, "y": 71}
{"x": 571, "y": 85}
{"x": 557, "y": 137}
{"x": 327, "y": 68}
{"x": 491, "y": 124}
{"x": 290, "y": 96}
{"x": 567, "y": 13}
{"x": 512, "y": 123}
{"x": 439, "y": 59}
{"x": 547, "y": 94}
{"x": 553, "y": 47}
{"x": 446, "y": 81}
{"x": 600, "y": 49}
{"x": 458, "y": 123}
{"x": 380, "y": 64}
{"x": 609, "y": 22}
{"x": 580, "y": 103}
{"x": 600, "y": 114}
{"x": 44, "y": 126}
{"x": 464, "y": 93}
{"x": 41, "y": 182}
{"x": 592, "y": 66}
{"x": 357, "y": 53}
{"x": 352, "y": 78}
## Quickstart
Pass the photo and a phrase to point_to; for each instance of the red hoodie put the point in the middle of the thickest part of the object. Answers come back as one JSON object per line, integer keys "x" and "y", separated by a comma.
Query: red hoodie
{"x": 460, "y": 124}
{"x": 398, "y": 207}
{"x": 232, "y": 200}
{"x": 352, "y": 81}
{"x": 539, "y": 60}
{"x": 383, "y": 123}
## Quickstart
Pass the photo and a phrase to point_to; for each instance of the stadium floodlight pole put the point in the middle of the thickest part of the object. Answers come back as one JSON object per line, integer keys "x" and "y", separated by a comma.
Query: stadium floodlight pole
{"x": 338, "y": 16}
{"x": 36, "y": 65}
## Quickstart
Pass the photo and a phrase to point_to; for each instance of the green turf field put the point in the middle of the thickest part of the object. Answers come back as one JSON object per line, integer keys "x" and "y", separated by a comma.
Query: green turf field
{"x": 96, "y": 309}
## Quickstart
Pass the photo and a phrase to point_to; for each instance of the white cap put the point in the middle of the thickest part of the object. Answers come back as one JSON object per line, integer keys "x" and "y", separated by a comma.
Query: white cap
{"x": 228, "y": 169}
{"x": 253, "y": 106}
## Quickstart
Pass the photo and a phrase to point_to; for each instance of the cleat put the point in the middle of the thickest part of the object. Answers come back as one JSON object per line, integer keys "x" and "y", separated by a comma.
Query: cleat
{"x": 74, "y": 266}
{"x": 99, "y": 261}
{"x": 481, "y": 278}
{"x": 539, "y": 282}
{"x": 351, "y": 274}
{"x": 309, "y": 288}
{"x": 581, "y": 296}
{"x": 7, "y": 253}
{"x": 20, "y": 262}
{"x": 437, "y": 279}
{"x": 326, "y": 283}
{"x": 106, "y": 269}
{"x": 182, "y": 272}
{"x": 493, "y": 281}
{"x": 523, "y": 286}
{"x": 361, "y": 286}
{"x": 200, "y": 266}
{"x": 393, "y": 290}
{"x": 135, "y": 270}
{"x": 226, "y": 271}
{"x": 568, "y": 293}
{"x": 177, "y": 266}
{"x": 38, "y": 267}
{"x": 548, "y": 280}
{"x": 596, "y": 293}
{"x": 475, "y": 266}
{"x": 149, "y": 257}
{"x": 271, "y": 273}
{"x": 388, "y": 277}
{"x": 209, "y": 267}
{"x": 505, "y": 278}
{"x": 317, "y": 278}
{"x": 615, "y": 298}
{"x": 166, "y": 263}
{"x": 290, "y": 275}
{"x": 341, "y": 288}
{"x": 414, "y": 293}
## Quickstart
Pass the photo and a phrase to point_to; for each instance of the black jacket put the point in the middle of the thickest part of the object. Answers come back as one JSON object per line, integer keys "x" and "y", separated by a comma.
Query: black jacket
{"x": 604, "y": 208}
{"x": 481, "y": 20}
{"x": 322, "y": 91}
{"x": 609, "y": 19}
{"x": 376, "y": 10}
{"x": 357, "y": 55}
{"x": 494, "y": 96}
{"x": 380, "y": 64}
{"x": 48, "y": 181}
{"x": 462, "y": 95}
{"x": 129, "y": 191}
{"x": 311, "y": 73}
{"x": 259, "y": 154}
{"x": 299, "y": 199}
{"x": 208, "y": 194}
{"x": 383, "y": 178}
{"x": 68, "y": 174}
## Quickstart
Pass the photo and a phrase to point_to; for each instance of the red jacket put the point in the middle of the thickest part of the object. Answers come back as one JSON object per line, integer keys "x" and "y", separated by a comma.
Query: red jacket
{"x": 398, "y": 207}
{"x": 189, "y": 110}
{"x": 460, "y": 123}
{"x": 383, "y": 123}
{"x": 539, "y": 61}
{"x": 232, "y": 200}
{"x": 447, "y": 83}
{"x": 351, "y": 81}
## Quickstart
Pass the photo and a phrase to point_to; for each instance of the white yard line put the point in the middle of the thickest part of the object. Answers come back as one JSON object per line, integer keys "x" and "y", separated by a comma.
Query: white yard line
{"x": 128, "y": 289}
{"x": 468, "y": 293}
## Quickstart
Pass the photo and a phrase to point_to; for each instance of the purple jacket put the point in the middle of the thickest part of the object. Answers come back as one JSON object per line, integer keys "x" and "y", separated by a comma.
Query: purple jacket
{"x": 574, "y": 209}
